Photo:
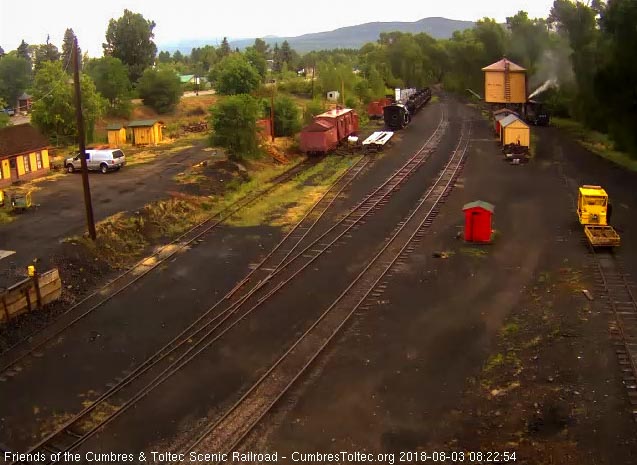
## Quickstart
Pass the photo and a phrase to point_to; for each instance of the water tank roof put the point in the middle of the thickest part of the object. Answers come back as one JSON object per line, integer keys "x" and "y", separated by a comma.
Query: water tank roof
{"x": 501, "y": 66}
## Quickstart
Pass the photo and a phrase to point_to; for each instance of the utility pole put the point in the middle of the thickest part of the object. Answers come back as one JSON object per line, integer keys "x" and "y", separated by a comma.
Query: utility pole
{"x": 313, "y": 71}
{"x": 272, "y": 111}
{"x": 90, "y": 221}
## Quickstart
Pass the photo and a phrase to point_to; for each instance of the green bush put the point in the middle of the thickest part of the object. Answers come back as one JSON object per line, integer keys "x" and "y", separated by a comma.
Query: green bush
{"x": 160, "y": 89}
{"x": 234, "y": 124}
{"x": 315, "y": 107}
{"x": 287, "y": 117}
{"x": 235, "y": 75}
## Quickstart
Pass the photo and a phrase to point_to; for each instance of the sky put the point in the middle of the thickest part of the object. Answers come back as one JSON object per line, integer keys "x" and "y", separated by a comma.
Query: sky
{"x": 33, "y": 20}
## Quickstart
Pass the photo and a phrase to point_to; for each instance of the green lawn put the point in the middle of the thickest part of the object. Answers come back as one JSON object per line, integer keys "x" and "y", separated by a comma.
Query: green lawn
{"x": 596, "y": 142}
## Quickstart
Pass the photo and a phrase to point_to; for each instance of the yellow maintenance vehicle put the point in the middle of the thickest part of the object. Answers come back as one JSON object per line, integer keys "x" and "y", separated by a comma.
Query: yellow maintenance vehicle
{"x": 593, "y": 213}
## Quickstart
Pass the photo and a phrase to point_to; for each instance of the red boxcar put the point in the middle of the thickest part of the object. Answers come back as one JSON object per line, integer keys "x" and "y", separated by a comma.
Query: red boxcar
{"x": 345, "y": 120}
{"x": 319, "y": 137}
{"x": 375, "y": 109}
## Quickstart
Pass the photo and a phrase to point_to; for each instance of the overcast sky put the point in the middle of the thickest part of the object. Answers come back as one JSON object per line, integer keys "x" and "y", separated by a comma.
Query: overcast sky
{"x": 32, "y": 20}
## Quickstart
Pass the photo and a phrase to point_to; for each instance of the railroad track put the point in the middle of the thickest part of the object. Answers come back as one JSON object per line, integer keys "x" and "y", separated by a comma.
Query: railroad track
{"x": 217, "y": 320}
{"x": 614, "y": 285}
{"x": 92, "y": 302}
{"x": 227, "y": 432}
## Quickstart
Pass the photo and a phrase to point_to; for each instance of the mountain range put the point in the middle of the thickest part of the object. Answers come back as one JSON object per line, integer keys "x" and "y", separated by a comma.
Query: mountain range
{"x": 345, "y": 37}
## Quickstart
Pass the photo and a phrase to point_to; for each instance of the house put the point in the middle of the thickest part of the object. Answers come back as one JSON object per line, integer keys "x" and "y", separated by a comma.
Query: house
{"x": 24, "y": 154}
{"x": 24, "y": 103}
{"x": 116, "y": 134}
{"x": 187, "y": 78}
{"x": 146, "y": 132}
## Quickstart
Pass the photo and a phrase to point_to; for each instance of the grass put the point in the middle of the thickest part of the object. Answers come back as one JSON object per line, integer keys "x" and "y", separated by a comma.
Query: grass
{"x": 474, "y": 252}
{"x": 5, "y": 216}
{"x": 287, "y": 204}
{"x": 596, "y": 142}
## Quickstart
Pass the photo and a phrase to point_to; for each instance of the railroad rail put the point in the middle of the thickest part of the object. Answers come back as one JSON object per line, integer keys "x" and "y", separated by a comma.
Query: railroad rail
{"x": 210, "y": 326}
{"x": 614, "y": 284}
{"x": 123, "y": 281}
{"x": 226, "y": 433}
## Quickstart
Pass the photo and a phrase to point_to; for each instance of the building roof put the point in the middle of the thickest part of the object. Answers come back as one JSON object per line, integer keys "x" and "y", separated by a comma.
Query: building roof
{"x": 24, "y": 96}
{"x": 480, "y": 204}
{"x": 318, "y": 126}
{"x": 510, "y": 120}
{"x": 505, "y": 111}
{"x": 20, "y": 139}
{"x": 142, "y": 123}
{"x": 501, "y": 66}
{"x": 335, "y": 113}
{"x": 114, "y": 127}
{"x": 186, "y": 78}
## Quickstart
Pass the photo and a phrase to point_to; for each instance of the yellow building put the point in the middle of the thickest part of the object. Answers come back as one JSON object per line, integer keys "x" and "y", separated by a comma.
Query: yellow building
{"x": 146, "y": 132}
{"x": 116, "y": 135}
{"x": 515, "y": 131}
{"x": 24, "y": 154}
{"x": 504, "y": 82}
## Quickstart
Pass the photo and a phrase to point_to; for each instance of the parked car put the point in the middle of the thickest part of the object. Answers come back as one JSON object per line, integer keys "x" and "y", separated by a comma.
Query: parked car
{"x": 9, "y": 111}
{"x": 98, "y": 160}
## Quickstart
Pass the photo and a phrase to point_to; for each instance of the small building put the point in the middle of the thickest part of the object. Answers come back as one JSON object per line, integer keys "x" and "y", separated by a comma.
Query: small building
{"x": 116, "y": 135}
{"x": 515, "y": 131}
{"x": 505, "y": 82}
{"x": 187, "y": 78}
{"x": 333, "y": 96}
{"x": 146, "y": 132}
{"x": 478, "y": 224}
{"x": 24, "y": 103}
{"x": 24, "y": 154}
{"x": 499, "y": 115}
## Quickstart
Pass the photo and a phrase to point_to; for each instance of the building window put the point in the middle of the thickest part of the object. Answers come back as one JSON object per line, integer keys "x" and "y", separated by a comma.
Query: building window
{"x": 38, "y": 160}
{"x": 27, "y": 163}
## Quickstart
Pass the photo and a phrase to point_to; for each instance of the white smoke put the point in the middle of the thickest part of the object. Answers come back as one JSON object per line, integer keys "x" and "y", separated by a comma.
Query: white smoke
{"x": 547, "y": 85}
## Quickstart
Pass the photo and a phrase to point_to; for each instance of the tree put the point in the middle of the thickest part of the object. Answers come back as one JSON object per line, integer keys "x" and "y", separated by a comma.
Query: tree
{"x": 178, "y": 57}
{"x": 257, "y": 60}
{"x": 15, "y": 78}
{"x": 67, "y": 49}
{"x": 45, "y": 52}
{"x": 130, "y": 38}
{"x": 224, "y": 50}
{"x": 111, "y": 80}
{"x": 529, "y": 39}
{"x": 164, "y": 57}
{"x": 261, "y": 47}
{"x": 53, "y": 108}
{"x": 276, "y": 58}
{"x": 236, "y": 76}
{"x": 203, "y": 59}
{"x": 288, "y": 55}
{"x": 24, "y": 52}
{"x": 4, "y": 118}
{"x": 234, "y": 125}
{"x": 160, "y": 89}
{"x": 287, "y": 117}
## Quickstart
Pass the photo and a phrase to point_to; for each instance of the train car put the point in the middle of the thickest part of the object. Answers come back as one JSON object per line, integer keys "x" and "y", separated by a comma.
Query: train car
{"x": 396, "y": 116}
{"x": 320, "y": 137}
{"x": 593, "y": 212}
{"x": 344, "y": 119}
{"x": 375, "y": 108}
{"x": 328, "y": 130}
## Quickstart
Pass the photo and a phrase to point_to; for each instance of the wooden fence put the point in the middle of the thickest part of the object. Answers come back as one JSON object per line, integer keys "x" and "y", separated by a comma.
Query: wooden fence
{"x": 30, "y": 294}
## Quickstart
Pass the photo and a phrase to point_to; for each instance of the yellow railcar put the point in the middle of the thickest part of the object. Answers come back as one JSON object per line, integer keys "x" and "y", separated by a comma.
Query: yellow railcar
{"x": 593, "y": 214}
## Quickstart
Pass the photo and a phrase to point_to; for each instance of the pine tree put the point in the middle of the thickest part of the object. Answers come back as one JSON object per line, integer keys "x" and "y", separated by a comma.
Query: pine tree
{"x": 224, "y": 49}
{"x": 67, "y": 49}
{"x": 23, "y": 51}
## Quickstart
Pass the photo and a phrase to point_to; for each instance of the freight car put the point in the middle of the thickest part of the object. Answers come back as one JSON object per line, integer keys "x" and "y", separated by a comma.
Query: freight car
{"x": 418, "y": 100}
{"x": 328, "y": 130}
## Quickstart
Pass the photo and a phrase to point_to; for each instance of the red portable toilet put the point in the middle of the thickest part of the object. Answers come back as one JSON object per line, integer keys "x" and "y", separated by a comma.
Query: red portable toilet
{"x": 478, "y": 218}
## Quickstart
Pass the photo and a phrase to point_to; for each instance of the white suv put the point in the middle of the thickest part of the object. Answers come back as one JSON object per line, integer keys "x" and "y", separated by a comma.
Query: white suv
{"x": 102, "y": 160}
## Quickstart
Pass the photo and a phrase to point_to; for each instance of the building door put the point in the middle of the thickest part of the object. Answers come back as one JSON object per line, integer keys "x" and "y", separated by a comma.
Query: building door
{"x": 13, "y": 168}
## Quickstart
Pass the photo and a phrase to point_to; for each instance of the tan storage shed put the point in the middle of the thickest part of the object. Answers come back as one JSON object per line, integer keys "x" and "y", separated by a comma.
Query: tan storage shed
{"x": 504, "y": 82}
{"x": 515, "y": 131}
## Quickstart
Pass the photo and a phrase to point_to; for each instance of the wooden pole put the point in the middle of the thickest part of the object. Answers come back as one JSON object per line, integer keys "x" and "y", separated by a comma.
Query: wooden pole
{"x": 272, "y": 113}
{"x": 90, "y": 220}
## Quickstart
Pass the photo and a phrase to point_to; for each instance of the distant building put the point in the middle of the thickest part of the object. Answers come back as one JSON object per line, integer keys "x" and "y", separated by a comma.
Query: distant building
{"x": 146, "y": 132}
{"x": 24, "y": 154}
{"x": 24, "y": 103}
